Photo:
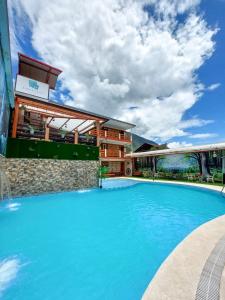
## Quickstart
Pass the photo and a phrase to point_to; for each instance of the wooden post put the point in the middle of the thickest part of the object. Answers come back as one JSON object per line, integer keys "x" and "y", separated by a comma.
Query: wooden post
{"x": 98, "y": 133}
{"x": 75, "y": 137}
{"x": 15, "y": 119}
{"x": 21, "y": 116}
{"x": 46, "y": 132}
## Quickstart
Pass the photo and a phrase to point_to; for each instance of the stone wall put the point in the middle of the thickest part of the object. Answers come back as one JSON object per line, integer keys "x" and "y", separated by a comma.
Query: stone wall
{"x": 36, "y": 176}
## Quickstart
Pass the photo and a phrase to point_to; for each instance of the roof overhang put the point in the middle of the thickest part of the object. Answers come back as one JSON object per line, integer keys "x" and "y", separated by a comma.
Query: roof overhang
{"x": 117, "y": 124}
{"x": 183, "y": 150}
{"x": 38, "y": 70}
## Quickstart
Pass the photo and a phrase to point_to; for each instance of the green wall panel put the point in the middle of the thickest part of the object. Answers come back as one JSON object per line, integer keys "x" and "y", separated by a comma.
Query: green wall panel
{"x": 21, "y": 148}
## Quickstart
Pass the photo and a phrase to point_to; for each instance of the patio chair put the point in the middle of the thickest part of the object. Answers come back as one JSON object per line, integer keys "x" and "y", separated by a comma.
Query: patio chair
{"x": 200, "y": 178}
{"x": 156, "y": 175}
{"x": 210, "y": 178}
{"x": 190, "y": 176}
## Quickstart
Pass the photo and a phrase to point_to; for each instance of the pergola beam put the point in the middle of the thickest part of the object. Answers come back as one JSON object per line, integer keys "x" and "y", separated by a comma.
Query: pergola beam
{"x": 47, "y": 114}
{"x": 50, "y": 121}
{"x": 86, "y": 127}
{"x": 64, "y": 123}
{"x": 79, "y": 125}
{"x": 53, "y": 108}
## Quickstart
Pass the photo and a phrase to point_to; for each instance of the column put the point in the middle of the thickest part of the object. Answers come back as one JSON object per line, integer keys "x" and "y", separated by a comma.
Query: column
{"x": 46, "y": 132}
{"x": 15, "y": 119}
{"x": 76, "y": 137}
{"x": 98, "y": 133}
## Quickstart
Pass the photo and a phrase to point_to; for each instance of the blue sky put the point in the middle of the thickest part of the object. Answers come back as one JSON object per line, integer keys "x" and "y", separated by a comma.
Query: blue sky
{"x": 212, "y": 104}
{"x": 159, "y": 65}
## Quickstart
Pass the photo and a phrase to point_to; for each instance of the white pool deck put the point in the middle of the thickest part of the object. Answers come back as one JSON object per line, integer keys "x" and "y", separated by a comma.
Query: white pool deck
{"x": 179, "y": 275}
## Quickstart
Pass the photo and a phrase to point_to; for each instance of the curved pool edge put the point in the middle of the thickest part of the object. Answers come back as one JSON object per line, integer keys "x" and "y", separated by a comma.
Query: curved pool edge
{"x": 178, "y": 276}
{"x": 217, "y": 188}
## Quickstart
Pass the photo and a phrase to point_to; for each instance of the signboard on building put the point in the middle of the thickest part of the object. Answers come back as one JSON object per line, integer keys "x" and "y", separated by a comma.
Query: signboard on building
{"x": 32, "y": 87}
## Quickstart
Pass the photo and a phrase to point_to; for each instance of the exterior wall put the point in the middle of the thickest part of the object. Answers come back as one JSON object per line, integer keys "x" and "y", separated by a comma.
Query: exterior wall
{"x": 6, "y": 89}
{"x": 36, "y": 176}
{"x": 195, "y": 166}
{"x": 112, "y": 134}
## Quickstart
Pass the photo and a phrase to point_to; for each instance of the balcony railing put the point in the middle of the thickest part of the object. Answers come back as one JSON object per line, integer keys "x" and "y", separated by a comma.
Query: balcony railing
{"x": 26, "y": 131}
{"x": 111, "y": 153}
{"x": 112, "y": 135}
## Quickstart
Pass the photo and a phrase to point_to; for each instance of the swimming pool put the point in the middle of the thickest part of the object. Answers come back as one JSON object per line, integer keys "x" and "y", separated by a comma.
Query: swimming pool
{"x": 96, "y": 244}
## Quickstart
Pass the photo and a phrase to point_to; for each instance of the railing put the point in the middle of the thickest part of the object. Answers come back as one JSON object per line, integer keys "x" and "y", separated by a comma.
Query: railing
{"x": 102, "y": 153}
{"x": 111, "y": 153}
{"x": 26, "y": 131}
{"x": 112, "y": 135}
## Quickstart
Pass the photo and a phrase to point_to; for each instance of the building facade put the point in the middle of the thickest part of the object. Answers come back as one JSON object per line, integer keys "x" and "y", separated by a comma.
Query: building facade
{"x": 36, "y": 117}
{"x": 115, "y": 142}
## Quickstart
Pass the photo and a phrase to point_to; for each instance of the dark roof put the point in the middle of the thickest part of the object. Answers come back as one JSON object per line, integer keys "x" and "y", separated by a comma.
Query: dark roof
{"x": 138, "y": 141}
{"x": 38, "y": 70}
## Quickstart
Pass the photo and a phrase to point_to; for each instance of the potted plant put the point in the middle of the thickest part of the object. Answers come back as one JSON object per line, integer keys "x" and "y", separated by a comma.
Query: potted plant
{"x": 88, "y": 137}
{"x": 102, "y": 171}
{"x": 63, "y": 133}
{"x": 22, "y": 107}
{"x": 32, "y": 129}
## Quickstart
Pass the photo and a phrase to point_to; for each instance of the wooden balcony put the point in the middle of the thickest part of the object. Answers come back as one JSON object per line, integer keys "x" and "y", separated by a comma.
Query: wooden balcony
{"x": 112, "y": 135}
{"x": 111, "y": 153}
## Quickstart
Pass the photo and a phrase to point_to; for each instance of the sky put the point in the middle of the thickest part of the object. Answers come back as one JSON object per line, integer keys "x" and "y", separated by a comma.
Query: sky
{"x": 156, "y": 63}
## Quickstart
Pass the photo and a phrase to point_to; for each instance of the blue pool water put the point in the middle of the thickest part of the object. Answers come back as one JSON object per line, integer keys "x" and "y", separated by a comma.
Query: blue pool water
{"x": 96, "y": 244}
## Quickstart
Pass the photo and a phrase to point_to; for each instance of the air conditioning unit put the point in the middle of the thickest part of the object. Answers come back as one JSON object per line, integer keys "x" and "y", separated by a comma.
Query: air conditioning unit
{"x": 128, "y": 168}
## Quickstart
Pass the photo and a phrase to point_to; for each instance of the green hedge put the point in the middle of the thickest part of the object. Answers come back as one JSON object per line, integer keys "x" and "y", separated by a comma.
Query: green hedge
{"x": 21, "y": 148}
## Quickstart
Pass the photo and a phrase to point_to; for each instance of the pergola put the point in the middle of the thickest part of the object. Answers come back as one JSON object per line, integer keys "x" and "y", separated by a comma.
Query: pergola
{"x": 59, "y": 117}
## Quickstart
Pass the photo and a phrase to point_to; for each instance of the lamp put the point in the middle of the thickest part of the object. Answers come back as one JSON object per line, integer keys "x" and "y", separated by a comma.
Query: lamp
{"x": 214, "y": 154}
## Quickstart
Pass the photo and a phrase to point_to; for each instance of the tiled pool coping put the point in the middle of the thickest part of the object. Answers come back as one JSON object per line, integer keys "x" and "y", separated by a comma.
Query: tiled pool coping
{"x": 193, "y": 265}
{"x": 210, "y": 279}
{"x": 217, "y": 188}
{"x": 179, "y": 275}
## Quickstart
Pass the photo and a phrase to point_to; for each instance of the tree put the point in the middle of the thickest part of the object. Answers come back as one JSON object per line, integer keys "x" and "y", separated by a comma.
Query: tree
{"x": 197, "y": 157}
{"x": 154, "y": 162}
{"x": 155, "y": 159}
{"x": 205, "y": 164}
{"x": 202, "y": 159}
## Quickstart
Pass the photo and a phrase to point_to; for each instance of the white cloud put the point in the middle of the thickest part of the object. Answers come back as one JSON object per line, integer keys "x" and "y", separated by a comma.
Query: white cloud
{"x": 116, "y": 55}
{"x": 203, "y": 135}
{"x": 173, "y": 145}
{"x": 214, "y": 86}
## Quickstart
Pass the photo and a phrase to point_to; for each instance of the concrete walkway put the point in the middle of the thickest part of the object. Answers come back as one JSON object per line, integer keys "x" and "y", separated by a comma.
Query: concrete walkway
{"x": 195, "y": 269}
{"x": 179, "y": 275}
